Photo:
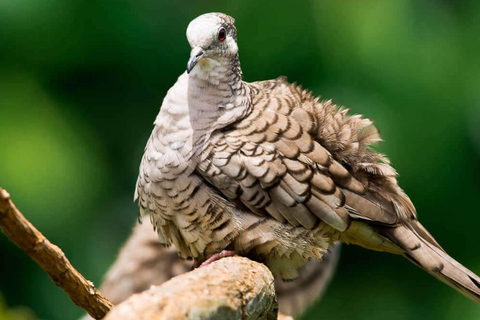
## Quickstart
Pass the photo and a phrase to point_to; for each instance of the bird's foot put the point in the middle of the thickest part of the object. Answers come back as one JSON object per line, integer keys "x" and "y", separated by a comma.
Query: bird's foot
{"x": 213, "y": 258}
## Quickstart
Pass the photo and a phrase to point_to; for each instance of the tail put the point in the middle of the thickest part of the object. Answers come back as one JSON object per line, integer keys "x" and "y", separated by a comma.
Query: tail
{"x": 420, "y": 248}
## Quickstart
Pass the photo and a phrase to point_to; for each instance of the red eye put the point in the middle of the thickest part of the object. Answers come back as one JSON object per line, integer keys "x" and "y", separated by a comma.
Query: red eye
{"x": 222, "y": 34}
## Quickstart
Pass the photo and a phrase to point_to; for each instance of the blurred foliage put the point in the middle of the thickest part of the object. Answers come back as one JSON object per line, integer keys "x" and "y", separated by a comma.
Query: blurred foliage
{"x": 16, "y": 313}
{"x": 81, "y": 83}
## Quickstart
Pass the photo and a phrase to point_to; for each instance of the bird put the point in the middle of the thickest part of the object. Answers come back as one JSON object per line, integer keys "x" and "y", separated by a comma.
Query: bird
{"x": 268, "y": 171}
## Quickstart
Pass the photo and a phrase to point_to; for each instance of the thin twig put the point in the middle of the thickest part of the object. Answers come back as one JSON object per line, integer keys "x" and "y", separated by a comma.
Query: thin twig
{"x": 51, "y": 258}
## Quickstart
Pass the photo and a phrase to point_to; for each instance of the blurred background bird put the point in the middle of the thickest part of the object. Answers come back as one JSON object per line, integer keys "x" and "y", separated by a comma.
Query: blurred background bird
{"x": 81, "y": 82}
{"x": 143, "y": 262}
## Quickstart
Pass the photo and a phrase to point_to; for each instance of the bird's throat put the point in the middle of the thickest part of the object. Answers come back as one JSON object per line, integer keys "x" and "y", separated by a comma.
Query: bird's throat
{"x": 218, "y": 70}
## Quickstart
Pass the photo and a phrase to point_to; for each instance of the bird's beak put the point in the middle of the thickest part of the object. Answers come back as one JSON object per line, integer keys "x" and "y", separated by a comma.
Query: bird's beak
{"x": 195, "y": 55}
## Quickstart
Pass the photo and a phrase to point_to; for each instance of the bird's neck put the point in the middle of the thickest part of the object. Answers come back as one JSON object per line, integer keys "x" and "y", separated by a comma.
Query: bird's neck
{"x": 211, "y": 97}
{"x": 217, "y": 96}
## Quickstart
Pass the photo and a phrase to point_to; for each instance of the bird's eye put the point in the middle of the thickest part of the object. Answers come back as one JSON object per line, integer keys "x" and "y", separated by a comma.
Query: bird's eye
{"x": 222, "y": 34}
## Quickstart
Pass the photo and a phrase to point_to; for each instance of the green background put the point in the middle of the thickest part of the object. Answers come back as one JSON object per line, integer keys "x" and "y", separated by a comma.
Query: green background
{"x": 81, "y": 83}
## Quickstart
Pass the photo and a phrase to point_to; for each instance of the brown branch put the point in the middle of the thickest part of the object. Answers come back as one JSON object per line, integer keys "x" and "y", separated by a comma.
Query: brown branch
{"x": 51, "y": 258}
{"x": 231, "y": 288}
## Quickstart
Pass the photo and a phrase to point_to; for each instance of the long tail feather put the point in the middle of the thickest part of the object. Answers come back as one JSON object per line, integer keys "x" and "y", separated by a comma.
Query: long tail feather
{"x": 435, "y": 260}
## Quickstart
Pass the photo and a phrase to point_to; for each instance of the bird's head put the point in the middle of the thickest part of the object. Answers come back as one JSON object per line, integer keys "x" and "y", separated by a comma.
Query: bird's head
{"x": 212, "y": 37}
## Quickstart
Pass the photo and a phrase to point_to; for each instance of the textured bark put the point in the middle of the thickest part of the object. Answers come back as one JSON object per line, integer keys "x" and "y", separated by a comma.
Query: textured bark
{"x": 231, "y": 288}
{"x": 51, "y": 258}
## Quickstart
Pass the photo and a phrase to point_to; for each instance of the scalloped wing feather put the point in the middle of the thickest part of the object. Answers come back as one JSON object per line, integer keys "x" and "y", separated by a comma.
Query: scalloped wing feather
{"x": 302, "y": 161}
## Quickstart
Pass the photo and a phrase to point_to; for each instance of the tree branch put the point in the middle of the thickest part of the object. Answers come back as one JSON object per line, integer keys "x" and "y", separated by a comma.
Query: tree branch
{"x": 231, "y": 288}
{"x": 51, "y": 258}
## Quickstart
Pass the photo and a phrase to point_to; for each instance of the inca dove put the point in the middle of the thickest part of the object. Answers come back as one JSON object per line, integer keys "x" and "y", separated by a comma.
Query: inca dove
{"x": 268, "y": 171}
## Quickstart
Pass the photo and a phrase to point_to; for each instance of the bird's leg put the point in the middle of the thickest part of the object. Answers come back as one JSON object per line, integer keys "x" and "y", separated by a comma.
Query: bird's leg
{"x": 213, "y": 258}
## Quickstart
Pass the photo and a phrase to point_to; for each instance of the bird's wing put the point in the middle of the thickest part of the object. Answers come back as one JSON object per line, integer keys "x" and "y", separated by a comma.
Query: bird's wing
{"x": 282, "y": 161}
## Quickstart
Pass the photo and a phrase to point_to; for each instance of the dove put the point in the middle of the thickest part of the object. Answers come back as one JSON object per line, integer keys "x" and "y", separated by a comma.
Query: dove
{"x": 268, "y": 171}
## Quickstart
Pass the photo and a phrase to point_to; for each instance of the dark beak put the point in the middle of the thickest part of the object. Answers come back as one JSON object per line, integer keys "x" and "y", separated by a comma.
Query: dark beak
{"x": 195, "y": 55}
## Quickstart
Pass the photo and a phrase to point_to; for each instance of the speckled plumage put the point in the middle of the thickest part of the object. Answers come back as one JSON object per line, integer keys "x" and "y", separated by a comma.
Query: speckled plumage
{"x": 271, "y": 172}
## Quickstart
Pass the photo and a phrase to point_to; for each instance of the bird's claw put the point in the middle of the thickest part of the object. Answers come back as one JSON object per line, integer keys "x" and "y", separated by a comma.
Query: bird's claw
{"x": 213, "y": 258}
